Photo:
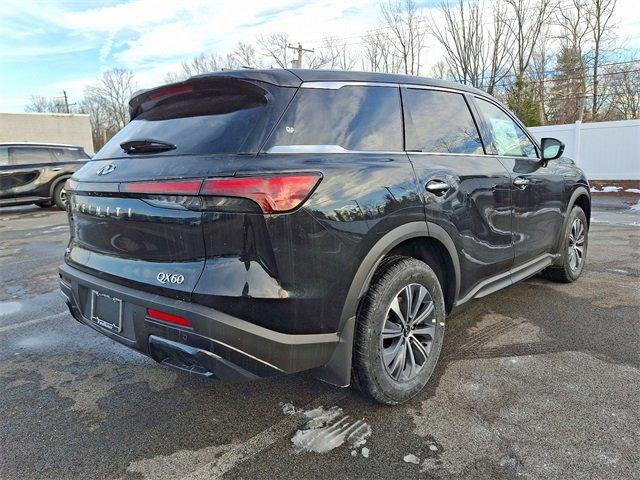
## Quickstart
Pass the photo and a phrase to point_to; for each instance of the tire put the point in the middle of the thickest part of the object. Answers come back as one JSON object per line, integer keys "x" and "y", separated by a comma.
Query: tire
{"x": 59, "y": 196}
{"x": 380, "y": 369}
{"x": 573, "y": 251}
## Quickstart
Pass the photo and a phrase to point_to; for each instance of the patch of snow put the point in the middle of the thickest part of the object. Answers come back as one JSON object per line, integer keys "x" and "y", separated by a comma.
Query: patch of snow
{"x": 354, "y": 453}
{"x": 433, "y": 448}
{"x": 327, "y": 429}
{"x": 288, "y": 409}
{"x": 365, "y": 452}
{"x": 632, "y": 190}
{"x": 8, "y": 308}
{"x": 606, "y": 189}
{"x": 411, "y": 458}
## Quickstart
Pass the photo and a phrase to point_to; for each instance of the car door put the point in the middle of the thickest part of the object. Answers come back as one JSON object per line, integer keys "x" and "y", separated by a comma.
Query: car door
{"x": 466, "y": 192}
{"x": 28, "y": 165}
{"x": 538, "y": 187}
{"x": 5, "y": 173}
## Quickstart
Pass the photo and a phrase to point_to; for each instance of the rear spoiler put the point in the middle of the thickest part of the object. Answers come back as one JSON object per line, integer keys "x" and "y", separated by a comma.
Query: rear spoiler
{"x": 248, "y": 76}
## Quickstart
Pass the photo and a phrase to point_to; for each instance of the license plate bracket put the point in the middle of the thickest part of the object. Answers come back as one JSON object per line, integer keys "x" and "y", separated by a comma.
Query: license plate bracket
{"x": 106, "y": 311}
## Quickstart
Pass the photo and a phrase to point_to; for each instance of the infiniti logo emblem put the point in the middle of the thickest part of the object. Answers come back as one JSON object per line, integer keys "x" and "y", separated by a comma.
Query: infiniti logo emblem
{"x": 106, "y": 170}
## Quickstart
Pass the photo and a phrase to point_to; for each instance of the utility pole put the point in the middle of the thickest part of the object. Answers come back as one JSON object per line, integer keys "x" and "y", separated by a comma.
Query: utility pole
{"x": 299, "y": 49}
{"x": 66, "y": 101}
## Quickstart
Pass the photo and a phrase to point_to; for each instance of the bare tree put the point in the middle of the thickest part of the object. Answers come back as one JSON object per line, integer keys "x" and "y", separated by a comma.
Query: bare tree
{"x": 95, "y": 107}
{"x": 42, "y": 104}
{"x": 246, "y": 55}
{"x": 333, "y": 55}
{"x": 379, "y": 53}
{"x": 407, "y": 27}
{"x": 599, "y": 15}
{"x": 113, "y": 91}
{"x": 275, "y": 48}
{"x": 572, "y": 35}
{"x": 474, "y": 54}
{"x": 528, "y": 20}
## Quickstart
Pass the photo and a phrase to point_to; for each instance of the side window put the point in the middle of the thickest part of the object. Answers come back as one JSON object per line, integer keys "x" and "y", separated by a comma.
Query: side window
{"x": 352, "y": 117}
{"x": 25, "y": 155}
{"x": 439, "y": 122}
{"x": 4, "y": 155}
{"x": 66, "y": 154}
{"x": 508, "y": 137}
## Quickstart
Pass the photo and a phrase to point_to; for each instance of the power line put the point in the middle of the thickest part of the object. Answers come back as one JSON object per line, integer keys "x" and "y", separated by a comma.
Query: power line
{"x": 426, "y": 21}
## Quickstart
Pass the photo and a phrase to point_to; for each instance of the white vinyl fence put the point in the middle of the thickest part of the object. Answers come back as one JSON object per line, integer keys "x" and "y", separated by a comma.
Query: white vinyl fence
{"x": 604, "y": 150}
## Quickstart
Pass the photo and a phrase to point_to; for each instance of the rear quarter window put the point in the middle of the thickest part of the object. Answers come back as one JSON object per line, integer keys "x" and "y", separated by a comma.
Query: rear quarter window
{"x": 351, "y": 117}
{"x": 68, "y": 154}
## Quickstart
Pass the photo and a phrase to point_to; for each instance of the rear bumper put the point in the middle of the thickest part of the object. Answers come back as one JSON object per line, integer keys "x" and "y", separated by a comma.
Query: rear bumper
{"x": 218, "y": 345}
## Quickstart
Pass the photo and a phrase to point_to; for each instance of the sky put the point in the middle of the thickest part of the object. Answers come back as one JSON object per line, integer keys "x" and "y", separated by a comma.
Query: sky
{"x": 47, "y": 46}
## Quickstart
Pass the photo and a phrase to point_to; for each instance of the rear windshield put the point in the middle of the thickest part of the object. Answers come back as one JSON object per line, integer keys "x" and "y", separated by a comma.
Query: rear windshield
{"x": 217, "y": 117}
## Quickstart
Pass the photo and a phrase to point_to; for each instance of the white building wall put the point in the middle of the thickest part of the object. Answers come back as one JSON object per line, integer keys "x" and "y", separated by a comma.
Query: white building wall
{"x": 604, "y": 150}
{"x": 74, "y": 129}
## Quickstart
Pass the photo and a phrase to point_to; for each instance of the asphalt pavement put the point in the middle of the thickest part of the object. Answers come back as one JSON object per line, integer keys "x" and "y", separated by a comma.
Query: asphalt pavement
{"x": 539, "y": 380}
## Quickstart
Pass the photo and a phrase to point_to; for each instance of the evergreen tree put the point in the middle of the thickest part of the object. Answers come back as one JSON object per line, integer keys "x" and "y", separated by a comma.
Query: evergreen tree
{"x": 567, "y": 93}
{"x": 522, "y": 101}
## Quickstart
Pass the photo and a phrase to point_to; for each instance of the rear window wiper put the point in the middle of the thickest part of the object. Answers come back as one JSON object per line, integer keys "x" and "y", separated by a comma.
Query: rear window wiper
{"x": 146, "y": 145}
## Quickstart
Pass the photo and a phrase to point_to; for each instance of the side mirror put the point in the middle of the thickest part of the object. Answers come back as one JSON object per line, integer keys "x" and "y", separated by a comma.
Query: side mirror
{"x": 551, "y": 149}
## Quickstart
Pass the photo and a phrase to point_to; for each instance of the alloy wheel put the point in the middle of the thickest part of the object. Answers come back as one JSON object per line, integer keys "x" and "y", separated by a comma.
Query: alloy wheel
{"x": 575, "y": 251}
{"x": 408, "y": 332}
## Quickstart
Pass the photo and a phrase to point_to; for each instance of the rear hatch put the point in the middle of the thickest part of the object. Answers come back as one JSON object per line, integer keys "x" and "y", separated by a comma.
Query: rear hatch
{"x": 136, "y": 210}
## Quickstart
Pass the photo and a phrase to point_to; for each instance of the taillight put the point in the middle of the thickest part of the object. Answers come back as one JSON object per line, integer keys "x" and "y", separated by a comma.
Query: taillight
{"x": 171, "y": 187}
{"x": 273, "y": 194}
{"x": 168, "y": 318}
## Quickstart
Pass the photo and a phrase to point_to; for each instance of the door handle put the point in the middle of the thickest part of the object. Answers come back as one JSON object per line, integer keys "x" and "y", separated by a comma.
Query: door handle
{"x": 437, "y": 187}
{"x": 521, "y": 182}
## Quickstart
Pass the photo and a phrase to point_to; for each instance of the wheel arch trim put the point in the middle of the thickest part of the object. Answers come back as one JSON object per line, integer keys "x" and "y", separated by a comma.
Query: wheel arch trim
{"x": 338, "y": 370}
{"x": 56, "y": 181}
{"x": 579, "y": 191}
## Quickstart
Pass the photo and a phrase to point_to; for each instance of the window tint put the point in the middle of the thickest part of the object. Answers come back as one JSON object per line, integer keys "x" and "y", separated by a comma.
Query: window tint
{"x": 508, "y": 138}
{"x": 438, "y": 121}
{"x": 353, "y": 117}
{"x": 4, "y": 156}
{"x": 24, "y": 155}
{"x": 217, "y": 116}
{"x": 67, "y": 154}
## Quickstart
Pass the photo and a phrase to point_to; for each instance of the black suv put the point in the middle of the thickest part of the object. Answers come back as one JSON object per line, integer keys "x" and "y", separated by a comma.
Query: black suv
{"x": 36, "y": 172}
{"x": 255, "y": 223}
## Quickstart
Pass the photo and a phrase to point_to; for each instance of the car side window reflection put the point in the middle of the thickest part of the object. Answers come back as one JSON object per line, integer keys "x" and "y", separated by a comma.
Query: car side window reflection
{"x": 4, "y": 156}
{"x": 508, "y": 138}
{"x": 440, "y": 122}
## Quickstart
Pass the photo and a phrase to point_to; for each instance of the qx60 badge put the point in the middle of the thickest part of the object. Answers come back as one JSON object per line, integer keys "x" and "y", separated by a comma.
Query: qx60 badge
{"x": 106, "y": 170}
{"x": 165, "y": 278}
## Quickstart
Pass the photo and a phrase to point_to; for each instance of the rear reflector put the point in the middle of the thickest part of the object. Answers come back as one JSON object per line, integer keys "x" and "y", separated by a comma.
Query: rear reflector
{"x": 172, "y": 187}
{"x": 168, "y": 317}
{"x": 273, "y": 194}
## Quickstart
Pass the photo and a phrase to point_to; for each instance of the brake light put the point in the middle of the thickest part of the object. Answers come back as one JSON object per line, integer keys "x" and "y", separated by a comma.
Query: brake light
{"x": 172, "y": 187}
{"x": 170, "y": 92}
{"x": 168, "y": 318}
{"x": 273, "y": 194}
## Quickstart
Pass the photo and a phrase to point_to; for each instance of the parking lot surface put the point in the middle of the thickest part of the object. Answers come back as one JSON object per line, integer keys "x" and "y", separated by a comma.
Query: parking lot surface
{"x": 538, "y": 380}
